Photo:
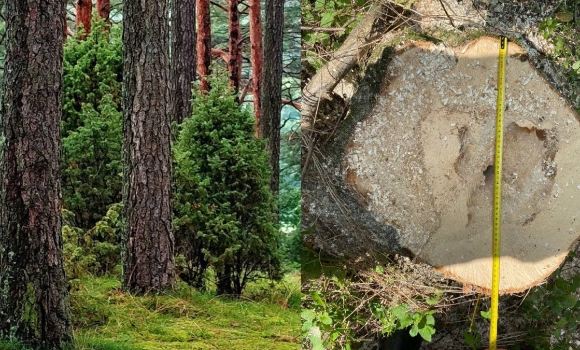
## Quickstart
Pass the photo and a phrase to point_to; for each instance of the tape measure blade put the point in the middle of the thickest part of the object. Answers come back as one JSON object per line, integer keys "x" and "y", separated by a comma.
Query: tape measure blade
{"x": 495, "y": 279}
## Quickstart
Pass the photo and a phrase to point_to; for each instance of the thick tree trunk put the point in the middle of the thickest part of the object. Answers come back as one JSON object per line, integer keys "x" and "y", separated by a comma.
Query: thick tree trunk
{"x": 183, "y": 57}
{"x": 203, "y": 42}
{"x": 83, "y": 10}
{"x": 256, "y": 56}
{"x": 148, "y": 260}
{"x": 235, "y": 55}
{"x": 34, "y": 305}
{"x": 411, "y": 169}
{"x": 103, "y": 9}
{"x": 272, "y": 86}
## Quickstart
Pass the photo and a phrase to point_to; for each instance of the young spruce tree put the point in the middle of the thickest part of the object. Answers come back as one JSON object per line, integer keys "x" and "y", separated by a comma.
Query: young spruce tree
{"x": 224, "y": 209}
{"x": 92, "y": 124}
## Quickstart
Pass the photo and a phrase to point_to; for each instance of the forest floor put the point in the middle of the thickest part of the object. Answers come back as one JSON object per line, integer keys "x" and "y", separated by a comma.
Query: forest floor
{"x": 105, "y": 318}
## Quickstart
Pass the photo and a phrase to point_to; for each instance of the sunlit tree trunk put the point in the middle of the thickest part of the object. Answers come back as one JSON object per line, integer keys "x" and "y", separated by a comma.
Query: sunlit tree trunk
{"x": 272, "y": 86}
{"x": 103, "y": 9}
{"x": 34, "y": 306}
{"x": 148, "y": 264}
{"x": 256, "y": 56}
{"x": 83, "y": 9}
{"x": 203, "y": 42}
{"x": 183, "y": 57}
{"x": 65, "y": 26}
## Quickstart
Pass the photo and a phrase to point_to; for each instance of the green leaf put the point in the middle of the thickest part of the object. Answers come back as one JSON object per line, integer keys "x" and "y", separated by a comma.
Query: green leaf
{"x": 400, "y": 311}
{"x": 576, "y": 65}
{"x": 486, "y": 314}
{"x": 327, "y": 19}
{"x": 414, "y": 331}
{"x": 469, "y": 338}
{"x": 318, "y": 299}
{"x": 306, "y": 326}
{"x": 379, "y": 269}
{"x": 433, "y": 300}
{"x": 308, "y": 315}
{"x": 325, "y": 319}
{"x": 568, "y": 301}
{"x": 426, "y": 333}
{"x": 315, "y": 339}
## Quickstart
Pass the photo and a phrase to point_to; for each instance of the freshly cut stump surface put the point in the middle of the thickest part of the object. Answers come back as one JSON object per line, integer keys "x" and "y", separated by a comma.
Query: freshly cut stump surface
{"x": 422, "y": 161}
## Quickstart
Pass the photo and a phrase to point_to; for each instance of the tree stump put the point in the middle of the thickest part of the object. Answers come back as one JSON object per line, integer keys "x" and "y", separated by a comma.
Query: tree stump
{"x": 411, "y": 169}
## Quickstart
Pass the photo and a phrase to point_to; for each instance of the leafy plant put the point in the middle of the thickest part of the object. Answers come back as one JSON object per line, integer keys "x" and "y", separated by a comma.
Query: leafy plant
{"x": 334, "y": 313}
{"x": 564, "y": 34}
{"x": 554, "y": 310}
{"x": 324, "y": 16}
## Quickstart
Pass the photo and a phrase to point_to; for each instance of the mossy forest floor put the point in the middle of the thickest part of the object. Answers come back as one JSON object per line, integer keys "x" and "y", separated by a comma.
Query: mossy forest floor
{"x": 105, "y": 318}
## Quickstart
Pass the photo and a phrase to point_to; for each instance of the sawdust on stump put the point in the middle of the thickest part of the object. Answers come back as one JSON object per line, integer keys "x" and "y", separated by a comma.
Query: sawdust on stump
{"x": 422, "y": 161}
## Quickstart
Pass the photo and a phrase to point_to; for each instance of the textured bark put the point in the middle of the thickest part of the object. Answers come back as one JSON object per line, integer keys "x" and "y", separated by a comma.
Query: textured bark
{"x": 34, "y": 305}
{"x": 272, "y": 86}
{"x": 83, "y": 9}
{"x": 256, "y": 56}
{"x": 148, "y": 260}
{"x": 203, "y": 42}
{"x": 235, "y": 55}
{"x": 183, "y": 57}
{"x": 103, "y": 9}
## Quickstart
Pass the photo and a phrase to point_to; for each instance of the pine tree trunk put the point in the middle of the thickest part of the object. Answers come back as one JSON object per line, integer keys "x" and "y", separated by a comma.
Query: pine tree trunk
{"x": 183, "y": 58}
{"x": 203, "y": 42}
{"x": 272, "y": 87}
{"x": 34, "y": 305}
{"x": 104, "y": 8}
{"x": 235, "y": 54}
{"x": 256, "y": 56}
{"x": 83, "y": 10}
{"x": 148, "y": 260}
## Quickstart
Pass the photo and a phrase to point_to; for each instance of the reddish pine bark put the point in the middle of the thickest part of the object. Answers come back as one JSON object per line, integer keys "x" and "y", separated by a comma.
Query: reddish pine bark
{"x": 103, "y": 8}
{"x": 203, "y": 42}
{"x": 235, "y": 55}
{"x": 83, "y": 10}
{"x": 34, "y": 305}
{"x": 256, "y": 57}
{"x": 221, "y": 53}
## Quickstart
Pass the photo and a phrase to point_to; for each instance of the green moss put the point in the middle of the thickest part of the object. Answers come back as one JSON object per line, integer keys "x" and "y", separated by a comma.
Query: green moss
{"x": 29, "y": 318}
{"x": 107, "y": 318}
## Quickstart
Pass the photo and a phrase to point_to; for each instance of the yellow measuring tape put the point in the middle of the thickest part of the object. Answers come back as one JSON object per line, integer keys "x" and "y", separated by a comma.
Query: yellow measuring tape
{"x": 497, "y": 192}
